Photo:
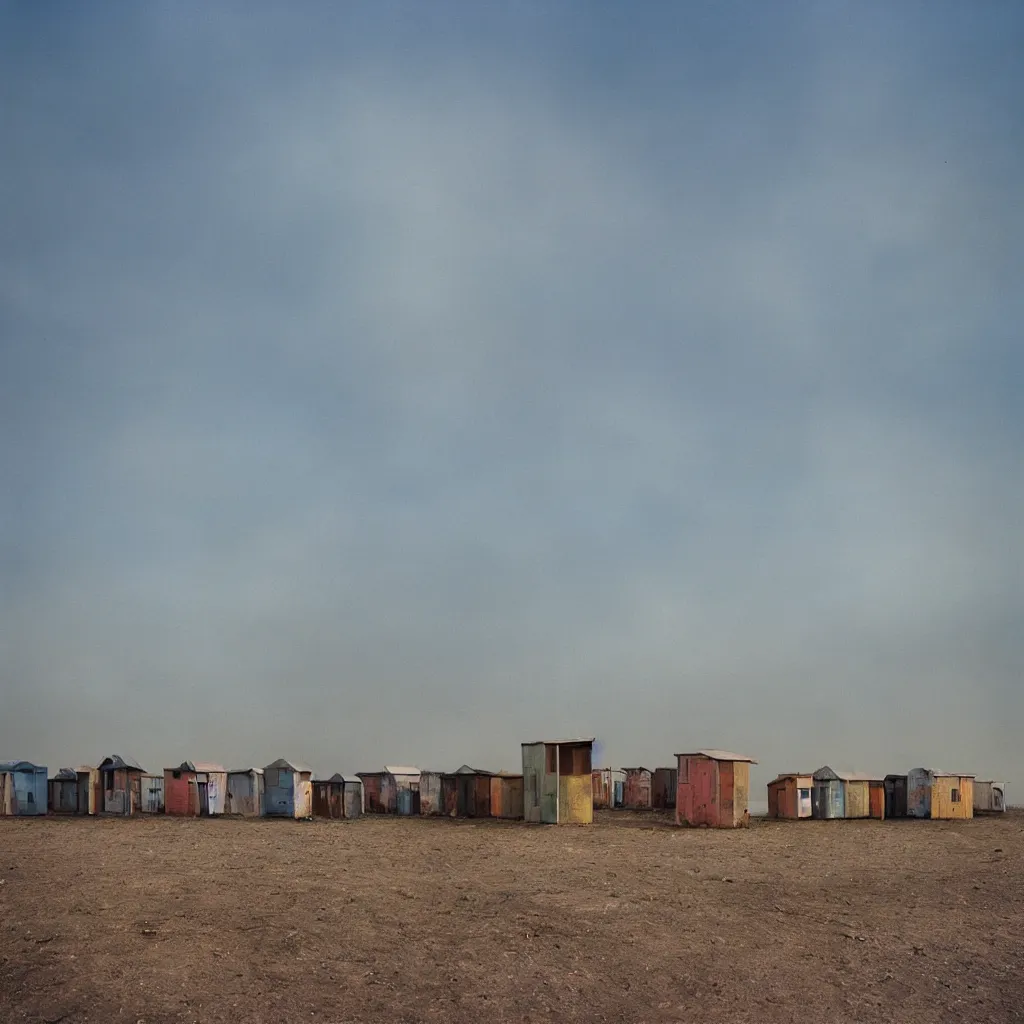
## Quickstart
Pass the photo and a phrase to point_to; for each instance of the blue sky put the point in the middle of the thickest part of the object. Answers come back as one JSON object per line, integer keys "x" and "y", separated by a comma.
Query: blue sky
{"x": 398, "y": 383}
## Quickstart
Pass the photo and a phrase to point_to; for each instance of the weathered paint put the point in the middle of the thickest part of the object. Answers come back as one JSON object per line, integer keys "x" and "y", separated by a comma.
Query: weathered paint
{"x": 430, "y": 794}
{"x": 288, "y": 790}
{"x": 789, "y": 796}
{"x": 63, "y": 792}
{"x": 449, "y": 795}
{"x": 152, "y": 794}
{"x": 399, "y": 779}
{"x": 29, "y": 787}
{"x": 507, "y": 796}
{"x": 857, "y": 802}
{"x": 352, "y": 797}
{"x": 558, "y": 782}
{"x": 474, "y": 792}
{"x": 876, "y": 799}
{"x": 637, "y": 789}
{"x": 328, "y": 798}
{"x": 373, "y": 797}
{"x": 603, "y": 788}
{"x": 664, "y": 782}
{"x": 952, "y": 797}
{"x": 6, "y": 794}
{"x": 181, "y": 793}
{"x": 989, "y": 797}
{"x": 121, "y": 785}
{"x": 829, "y": 795}
{"x": 245, "y": 792}
{"x": 895, "y": 796}
{"x": 713, "y": 789}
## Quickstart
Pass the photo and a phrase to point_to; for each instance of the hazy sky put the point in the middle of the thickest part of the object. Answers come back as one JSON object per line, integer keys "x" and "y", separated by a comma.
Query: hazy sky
{"x": 399, "y": 383}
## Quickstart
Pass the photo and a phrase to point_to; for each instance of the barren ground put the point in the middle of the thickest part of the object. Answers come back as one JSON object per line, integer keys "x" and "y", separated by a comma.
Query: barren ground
{"x": 162, "y": 920}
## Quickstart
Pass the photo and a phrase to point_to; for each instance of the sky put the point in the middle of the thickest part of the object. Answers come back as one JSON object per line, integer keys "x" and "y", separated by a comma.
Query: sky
{"x": 396, "y": 383}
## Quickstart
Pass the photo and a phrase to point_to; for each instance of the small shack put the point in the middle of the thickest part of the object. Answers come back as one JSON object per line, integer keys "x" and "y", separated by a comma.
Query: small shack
{"x": 474, "y": 792}
{"x": 558, "y": 783}
{"x": 245, "y": 792}
{"x": 288, "y": 789}
{"x": 404, "y": 782}
{"x": 664, "y": 783}
{"x": 713, "y": 789}
{"x": 789, "y": 796}
{"x": 939, "y": 795}
{"x": 507, "y": 796}
{"x": 431, "y": 802}
{"x": 121, "y": 783}
{"x": 351, "y": 796}
{"x": 895, "y": 787}
{"x": 151, "y": 790}
{"x": 64, "y": 792}
{"x": 604, "y": 788}
{"x": 989, "y": 797}
{"x": 196, "y": 789}
{"x": 328, "y": 797}
{"x": 843, "y": 794}
{"x": 375, "y": 794}
{"x": 26, "y": 790}
{"x": 449, "y": 795}
{"x": 637, "y": 789}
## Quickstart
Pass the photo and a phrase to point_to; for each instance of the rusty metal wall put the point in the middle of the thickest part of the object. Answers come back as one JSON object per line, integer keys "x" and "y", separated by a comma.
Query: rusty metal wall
{"x": 602, "y": 784}
{"x": 919, "y": 793}
{"x": 64, "y": 796}
{"x": 328, "y": 800}
{"x": 181, "y": 796}
{"x": 152, "y": 793}
{"x": 697, "y": 792}
{"x": 430, "y": 794}
{"x": 449, "y": 795}
{"x": 637, "y": 790}
{"x": 373, "y": 802}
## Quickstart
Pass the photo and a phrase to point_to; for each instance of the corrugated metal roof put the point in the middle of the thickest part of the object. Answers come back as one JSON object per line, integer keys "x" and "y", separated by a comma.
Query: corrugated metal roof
{"x": 392, "y": 769}
{"x": 719, "y": 755}
{"x": 793, "y": 775}
{"x": 467, "y": 770}
{"x": 352, "y": 780}
{"x": 561, "y": 743}
{"x": 244, "y": 771}
{"x": 638, "y": 769}
{"x": 67, "y": 773}
{"x": 293, "y": 766}
{"x": 19, "y": 766}
{"x": 116, "y": 761}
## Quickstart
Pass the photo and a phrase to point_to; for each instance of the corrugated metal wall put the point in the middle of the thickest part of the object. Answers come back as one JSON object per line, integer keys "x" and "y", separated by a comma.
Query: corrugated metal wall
{"x": 533, "y": 782}
{"x": 152, "y": 794}
{"x": 430, "y": 794}
{"x": 279, "y": 793}
{"x": 638, "y": 789}
{"x": 829, "y": 798}
{"x": 919, "y": 793}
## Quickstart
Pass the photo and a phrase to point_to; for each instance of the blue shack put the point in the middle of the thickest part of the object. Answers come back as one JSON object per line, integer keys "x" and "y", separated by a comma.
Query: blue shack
{"x": 24, "y": 788}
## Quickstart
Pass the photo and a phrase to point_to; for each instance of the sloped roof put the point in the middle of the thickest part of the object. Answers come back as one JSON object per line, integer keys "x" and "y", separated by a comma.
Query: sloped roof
{"x": 638, "y": 769}
{"x": 244, "y": 771}
{"x": 793, "y": 775}
{"x": 393, "y": 769}
{"x": 719, "y": 755}
{"x": 208, "y": 766}
{"x": 289, "y": 766}
{"x": 67, "y": 774}
{"x": 116, "y": 761}
{"x": 20, "y": 766}
{"x": 562, "y": 743}
{"x": 467, "y": 770}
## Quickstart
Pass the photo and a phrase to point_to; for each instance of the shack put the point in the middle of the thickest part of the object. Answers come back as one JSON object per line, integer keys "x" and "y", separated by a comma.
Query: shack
{"x": 939, "y": 795}
{"x": 64, "y": 792}
{"x": 843, "y": 794}
{"x": 375, "y": 794}
{"x": 895, "y": 787}
{"x": 351, "y": 796}
{"x": 288, "y": 789}
{"x": 196, "y": 789}
{"x": 603, "y": 785}
{"x": 151, "y": 788}
{"x": 404, "y": 782}
{"x": 329, "y": 797}
{"x": 449, "y": 795}
{"x": 637, "y": 789}
{"x": 664, "y": 783}
{"x": 26, "y": 791}
{"x": 121, "y": 782}
{"x": 713, "y": 789}
{"x": 474, "y": 792}
{"x": 558, "y": 783}
{"x": 431, "y": 802}
{"x": 507, "y": 796}
{"x": 789, "y": 795}
{"x": 989, "y": 797}
{"x": 245, "y": 792}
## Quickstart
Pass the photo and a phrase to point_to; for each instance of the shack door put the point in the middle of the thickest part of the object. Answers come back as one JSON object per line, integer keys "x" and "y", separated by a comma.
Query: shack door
{"x": 702, "y": 776}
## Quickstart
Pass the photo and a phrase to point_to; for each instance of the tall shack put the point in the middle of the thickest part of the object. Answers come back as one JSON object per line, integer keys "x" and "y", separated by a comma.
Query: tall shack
{"x": 558, "y": 783}
{"x": 713, "y": 789}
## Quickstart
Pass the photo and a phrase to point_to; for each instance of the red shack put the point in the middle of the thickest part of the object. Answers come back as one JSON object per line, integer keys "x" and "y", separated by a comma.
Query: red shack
{"x": 713, "y": 789}
{"x": 637, "y": 790}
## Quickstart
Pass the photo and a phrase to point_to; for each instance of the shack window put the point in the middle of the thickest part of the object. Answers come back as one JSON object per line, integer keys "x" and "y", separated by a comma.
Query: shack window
{"x": 805, "y": 794}
{"x": 955, "y": 796}
{"x": 552, "y": 759}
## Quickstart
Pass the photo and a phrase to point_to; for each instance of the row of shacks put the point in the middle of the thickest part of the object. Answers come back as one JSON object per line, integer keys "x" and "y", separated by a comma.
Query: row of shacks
{"x": 921, "y": 793}
{"x": 557, "y": 785}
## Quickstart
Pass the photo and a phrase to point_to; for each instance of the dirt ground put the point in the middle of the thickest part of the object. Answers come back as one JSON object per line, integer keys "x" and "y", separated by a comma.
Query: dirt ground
{"x": 162, "y": 920}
